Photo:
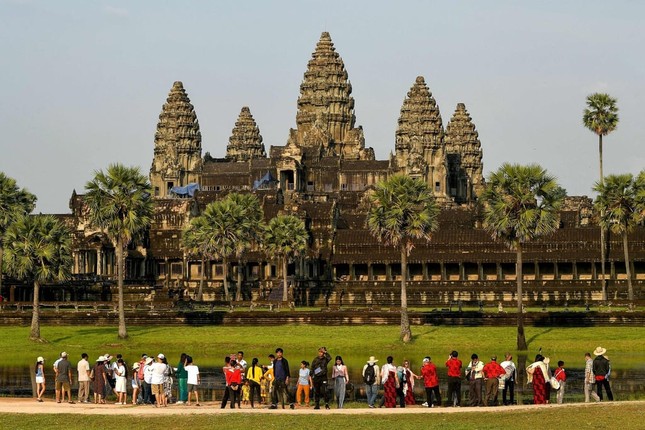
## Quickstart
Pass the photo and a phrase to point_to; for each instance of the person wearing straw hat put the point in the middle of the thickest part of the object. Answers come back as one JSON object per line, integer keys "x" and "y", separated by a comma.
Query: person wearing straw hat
{"x": 601, "y": 371}
{"x": 40, "y": 378}
{"x": 371, "y": 376}
{"x": 99, "y": 379}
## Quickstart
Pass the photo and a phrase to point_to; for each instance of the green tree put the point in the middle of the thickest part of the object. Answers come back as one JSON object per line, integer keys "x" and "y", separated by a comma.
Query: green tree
{"x": 402, "y": 210}
{"x": 619, "y": 212}
{"x": 250, "y": 225}
{"x": 520, "y": 204}
{"x": 120, "y": 205}
{"x": 38, "y": 249}
{"x": 227, "y": 228}
{"x": 285, "y": 237}
{"x": 601, "y": 117}
{"x": 14, "y": 203}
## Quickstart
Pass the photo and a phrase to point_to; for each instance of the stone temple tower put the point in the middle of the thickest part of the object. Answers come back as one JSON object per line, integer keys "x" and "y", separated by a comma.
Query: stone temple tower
{"x": 245, "y": 142}
{"x": 178, "y": 144}
{"x": 419, "y": 146}
{"x": 325, "y": 117}
{"x": 464, "y": 154}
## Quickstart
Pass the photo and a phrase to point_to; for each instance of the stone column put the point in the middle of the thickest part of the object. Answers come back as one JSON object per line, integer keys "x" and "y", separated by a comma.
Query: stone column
{"x": 99, "y": 261}
{"x": 424, "y": 271}
{"x": 370, "y": 272}
{"x": 442, "y": 268}
{"x": 462, "y": 271}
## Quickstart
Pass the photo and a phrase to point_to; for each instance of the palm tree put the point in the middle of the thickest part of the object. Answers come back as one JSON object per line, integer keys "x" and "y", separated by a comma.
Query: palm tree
{"x": 38, "y": 249}
{"x": 250, "y": 226}
{"x": 226, "y": 228}
{"x": 401, "y": 210}
{"x": 617, "y": 204}
{"x": 520, "y": 204}
{"x": 601, "y": 117}
{"x": 119, "y": 204}
{"x": 285, "y": 237}
{"x": 14, "y": 202}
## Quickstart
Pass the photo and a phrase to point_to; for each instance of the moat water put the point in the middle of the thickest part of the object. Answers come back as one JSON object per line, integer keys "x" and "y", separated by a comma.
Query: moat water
{"x": 625, "y": 384}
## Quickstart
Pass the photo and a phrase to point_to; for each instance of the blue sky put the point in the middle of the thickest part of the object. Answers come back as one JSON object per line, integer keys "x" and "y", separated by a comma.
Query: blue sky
{"x": 84, "y": 81}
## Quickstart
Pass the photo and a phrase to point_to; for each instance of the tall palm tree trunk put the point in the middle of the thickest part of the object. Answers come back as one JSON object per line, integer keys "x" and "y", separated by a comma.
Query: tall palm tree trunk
{"x": 200, "y": 292}
{"x": 123, "y": 333}
{"x": 406, "y": 333}
{"x": 225, "y": 264}
{"x": 285, "y": 292}
{"x": 1, "y": 258}
{"x": 628, "y": 269}
{"x": 521, "y": 338}
{"x": 34, "y": 334}
{"x": 603, "y": 256}
{"x": 238, "y": 292}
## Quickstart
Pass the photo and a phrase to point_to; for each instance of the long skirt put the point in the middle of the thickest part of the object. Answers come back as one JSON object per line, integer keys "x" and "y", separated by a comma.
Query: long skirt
{"x": 389, "y": 391}
{"x": 540, "y": 388}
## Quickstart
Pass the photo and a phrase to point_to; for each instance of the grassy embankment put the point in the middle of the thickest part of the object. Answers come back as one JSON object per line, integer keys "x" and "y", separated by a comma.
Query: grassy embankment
{"x": 208, "y": 345}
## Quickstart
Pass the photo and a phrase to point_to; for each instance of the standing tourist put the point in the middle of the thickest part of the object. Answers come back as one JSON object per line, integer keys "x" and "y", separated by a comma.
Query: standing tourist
{"x": 148, "y": 397}
{"x": 158, "y": 372}
{"x": 233, "y": 382}
{"x": 430, "y": 383}
{"x": 254, "y": 375}
{"x": 538, "y": 374}
{"x": 492, "y": 371}
{"x": 410, "y": 376}
{"x": 454, "y": 379}
{"x": 55, "y": 367}
{"x": 561, "y": 377}
{"x": 341, "y": 378}
{"x": 182, "y": 380}
{"x": 193, "y": 380}
{"x": 475, "y": 377}
{"x": 390, "y": 381}
{"x": 121, "y": 382}
{"x": 371, "y": 377}
{"x": 227, "y": 389}
{"x": 99, "y": 380}
{"x": 601, "y": 371}
{"x": 509, "y": 382}
{"x": 304, "y": 384}
{"x": 590, "y": 381}
{"x": 319, "y": 378}
{"x": 40, "y": 378}
{"x": 83, "y": 369}
{"x": 281, "y": 382}
{"x": 64, "y": 379}
{"x": 136, "y": 382}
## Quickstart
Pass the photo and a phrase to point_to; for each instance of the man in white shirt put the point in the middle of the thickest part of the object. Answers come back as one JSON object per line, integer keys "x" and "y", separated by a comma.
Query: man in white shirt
{"x": 509, "y": 380}
{"x": 83, "y": 368}
{"x": 158, "y": 370}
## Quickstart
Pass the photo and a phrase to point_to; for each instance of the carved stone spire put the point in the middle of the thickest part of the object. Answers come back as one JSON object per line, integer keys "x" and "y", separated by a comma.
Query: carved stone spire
{"x": 246, "y": 142}
{"x": 178, "y": 144}
{"x": 465, "y": 177}
{"x": 326, "y": 108}
{"x": 419, "y": 147}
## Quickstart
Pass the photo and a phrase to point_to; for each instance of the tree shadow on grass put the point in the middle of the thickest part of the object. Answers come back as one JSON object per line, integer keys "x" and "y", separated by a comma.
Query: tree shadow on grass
{"x": 537, "y": 335}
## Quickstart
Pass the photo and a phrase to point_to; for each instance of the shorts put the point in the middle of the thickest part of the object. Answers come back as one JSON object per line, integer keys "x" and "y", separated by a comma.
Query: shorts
{"x": 157, "y": 389}
{"x": 40, "y": 379}
{"x": 192, "y": 388}
{"x": 62, "y": 385}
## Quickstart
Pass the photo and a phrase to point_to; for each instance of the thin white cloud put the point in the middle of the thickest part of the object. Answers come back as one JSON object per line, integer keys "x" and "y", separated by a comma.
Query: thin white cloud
{"x": 115, "y": 11}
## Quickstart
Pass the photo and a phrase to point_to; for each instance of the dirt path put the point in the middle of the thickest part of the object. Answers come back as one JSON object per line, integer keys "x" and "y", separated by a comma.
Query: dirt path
{"x": 31, "y": 406}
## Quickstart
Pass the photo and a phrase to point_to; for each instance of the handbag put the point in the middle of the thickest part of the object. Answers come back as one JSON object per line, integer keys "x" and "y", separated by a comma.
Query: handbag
{"x": 234, "y": 386}
{"x": 555, "y": 384}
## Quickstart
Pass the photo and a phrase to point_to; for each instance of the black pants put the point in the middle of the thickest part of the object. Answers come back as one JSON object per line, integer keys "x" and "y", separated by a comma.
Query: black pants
{"x": 280, "y": 392}
{"x": 509, "y": 388}
{"x": 255, "y": 388}
{"x": 437, "y": 395}
{"x": 147, "y": 392}
{"x": 320, "y": 390}
{"x": 454, "y": 391}
{"x": 604, "y": 383}
{"x": 226, "y": 396}
{"x": 401, "y": 395}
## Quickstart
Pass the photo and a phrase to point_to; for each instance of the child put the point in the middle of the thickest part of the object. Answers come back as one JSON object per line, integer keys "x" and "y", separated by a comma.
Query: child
{"x": 561, "y": 376}
{"x": 264, "y": 386}
{"x": 304, "y": 383}
{"x": 246, "y": 392}
{"x": 120, "y": 385}
{"x": 193, "y": 380}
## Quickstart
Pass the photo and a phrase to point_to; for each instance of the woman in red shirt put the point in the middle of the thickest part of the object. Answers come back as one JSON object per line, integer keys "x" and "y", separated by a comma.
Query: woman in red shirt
{"x": 233, "y": 382}
{"x": 431, "y": 383}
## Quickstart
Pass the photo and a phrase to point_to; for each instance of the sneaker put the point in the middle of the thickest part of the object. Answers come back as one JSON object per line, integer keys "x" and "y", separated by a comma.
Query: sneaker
{"x": 326, "y": 406}
{"x": 179, "y": 402}
{"x": 371, "y": 406}
{"x": 316, "y": 407}
{"x": 425, "y": 404}
{"x": 72, "y": 402}
{"x": 273, "y": 407}
{"x": 291, "y": 405}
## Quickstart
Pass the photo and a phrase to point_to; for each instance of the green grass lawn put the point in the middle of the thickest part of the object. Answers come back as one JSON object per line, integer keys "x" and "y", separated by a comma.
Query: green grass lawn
{"x": 625, "y": 416}
{"x": 208, "y": 345}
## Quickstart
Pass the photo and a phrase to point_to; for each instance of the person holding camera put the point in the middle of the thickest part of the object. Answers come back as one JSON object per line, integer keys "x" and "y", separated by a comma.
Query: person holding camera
{"x": 319, "y": 377}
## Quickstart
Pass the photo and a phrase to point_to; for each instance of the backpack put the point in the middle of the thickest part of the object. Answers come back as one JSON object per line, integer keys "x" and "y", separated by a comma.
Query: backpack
{"x": 369, "y": 376}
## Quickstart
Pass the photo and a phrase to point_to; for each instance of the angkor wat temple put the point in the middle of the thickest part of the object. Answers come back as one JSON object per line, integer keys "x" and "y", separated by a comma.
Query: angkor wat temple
{"x": 322, "y": 174}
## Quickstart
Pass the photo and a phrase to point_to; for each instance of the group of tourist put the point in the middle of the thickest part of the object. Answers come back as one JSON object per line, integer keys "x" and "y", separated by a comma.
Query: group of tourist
{"x": 151, "y": 380}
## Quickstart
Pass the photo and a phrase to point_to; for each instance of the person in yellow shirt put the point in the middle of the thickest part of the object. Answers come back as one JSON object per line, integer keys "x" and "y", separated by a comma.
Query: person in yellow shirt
{"x": 254, "y": 375}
